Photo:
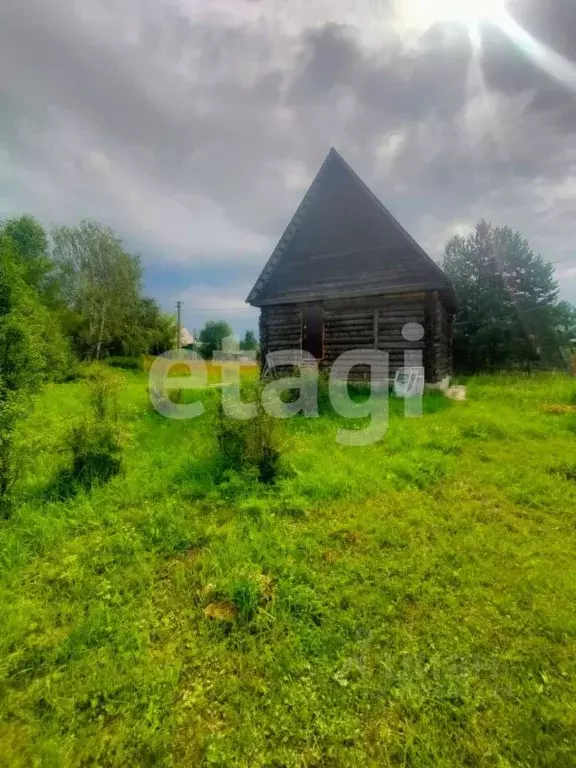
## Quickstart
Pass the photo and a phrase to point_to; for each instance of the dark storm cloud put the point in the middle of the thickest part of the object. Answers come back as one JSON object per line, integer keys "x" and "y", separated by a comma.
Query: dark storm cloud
{"x": 479, "y": 135}
{"x": 392, "y": 83}
{"x": 193, "y": 129}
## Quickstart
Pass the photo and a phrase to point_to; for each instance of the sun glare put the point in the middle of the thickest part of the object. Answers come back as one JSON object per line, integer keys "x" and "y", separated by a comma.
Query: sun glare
{"x": 466, "y": 11}
{"x": 426, "y": 13}
{"x": 423, "y": 14}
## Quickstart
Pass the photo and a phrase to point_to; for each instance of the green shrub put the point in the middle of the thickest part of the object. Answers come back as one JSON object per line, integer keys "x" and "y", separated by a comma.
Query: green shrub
{"x": 127, "y": 363}
{"x": 264, "y": 445}
{"x": 253, "y": 444}
{"x": 96, "y": 441}
{"x": 96, "y": 452}
{"x": 12, "y": 410}
{"x": 24, "y": 364}
{"x": 230, "y": 436}
{"x": 104, "y": 388}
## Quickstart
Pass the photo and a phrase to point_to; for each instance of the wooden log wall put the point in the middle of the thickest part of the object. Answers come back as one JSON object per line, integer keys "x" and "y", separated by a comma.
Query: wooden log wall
{"x": 372, "y": 323}
{"x": 368, "y": 323}
{"x": 280, "y": 329}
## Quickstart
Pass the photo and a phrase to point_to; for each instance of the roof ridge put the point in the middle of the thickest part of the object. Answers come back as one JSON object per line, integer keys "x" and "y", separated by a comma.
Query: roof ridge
{"x": 290, "y": 231}
{"x": 302, "y": 210}
{"x": 394, "y": 221}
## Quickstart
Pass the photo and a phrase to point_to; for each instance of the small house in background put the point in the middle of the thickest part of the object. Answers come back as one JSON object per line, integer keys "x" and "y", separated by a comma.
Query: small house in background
{"x": 187, "y": 341}
{"x": 347, "y": 276}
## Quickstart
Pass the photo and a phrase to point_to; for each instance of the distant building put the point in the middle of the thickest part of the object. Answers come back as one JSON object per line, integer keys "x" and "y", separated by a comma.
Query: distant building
{"x": 186, "y": 339}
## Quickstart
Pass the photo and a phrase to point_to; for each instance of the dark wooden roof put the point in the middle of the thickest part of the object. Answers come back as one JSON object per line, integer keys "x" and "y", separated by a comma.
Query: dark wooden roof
{"x": 343, "y": 242}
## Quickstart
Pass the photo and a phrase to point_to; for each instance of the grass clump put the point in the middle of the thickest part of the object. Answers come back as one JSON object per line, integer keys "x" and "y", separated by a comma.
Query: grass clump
{"x": 253, "y": 445}
{"x": 95, "y": 440}
{"x": 96, "y": 452}
{"x": 12, "y": 410}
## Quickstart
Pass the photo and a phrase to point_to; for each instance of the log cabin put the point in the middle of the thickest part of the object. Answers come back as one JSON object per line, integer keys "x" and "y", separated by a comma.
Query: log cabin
{"x": 346, "y": 275}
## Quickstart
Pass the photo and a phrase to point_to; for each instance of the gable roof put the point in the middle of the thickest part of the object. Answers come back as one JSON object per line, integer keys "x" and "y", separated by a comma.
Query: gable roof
{"x": 343, "y": 242}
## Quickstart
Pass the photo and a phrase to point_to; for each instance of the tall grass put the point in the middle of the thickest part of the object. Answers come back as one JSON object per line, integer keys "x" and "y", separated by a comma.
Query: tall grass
{"x": 95, "y": 440}
{"x": 251, "y": 444}
{"x": 406, "y": 603}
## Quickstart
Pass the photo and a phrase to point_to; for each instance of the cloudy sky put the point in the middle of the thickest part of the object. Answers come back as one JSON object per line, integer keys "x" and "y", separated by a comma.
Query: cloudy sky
{"x": 194, "y": 128}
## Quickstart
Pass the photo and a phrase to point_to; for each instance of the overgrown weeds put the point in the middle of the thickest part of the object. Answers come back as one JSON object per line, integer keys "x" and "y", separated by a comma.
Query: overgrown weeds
{"x": 126, "y": 363}
{"x": 11, "y": 412}
{"x": 95, "y": 440}
{"x": 409, "y": 602}
{"x": 96, "y": 452}
{"x": 254, "y": 444}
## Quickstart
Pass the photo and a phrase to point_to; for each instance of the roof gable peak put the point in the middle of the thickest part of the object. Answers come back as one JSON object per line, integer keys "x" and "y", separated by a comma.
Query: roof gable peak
{"x": 334, "y": 162}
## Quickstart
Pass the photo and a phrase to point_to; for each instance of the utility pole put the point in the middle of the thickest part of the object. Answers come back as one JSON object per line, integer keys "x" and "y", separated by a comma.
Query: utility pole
{"x": 179, "y": 338}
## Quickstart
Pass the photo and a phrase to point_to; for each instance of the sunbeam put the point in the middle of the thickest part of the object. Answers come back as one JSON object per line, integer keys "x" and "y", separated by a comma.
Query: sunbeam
{"x": 553, "y": 63}
{"x": 472, "y": 13}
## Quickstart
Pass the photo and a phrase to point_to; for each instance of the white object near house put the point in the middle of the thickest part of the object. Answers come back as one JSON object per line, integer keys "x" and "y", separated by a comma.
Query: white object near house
{"x": 281, "y": 358}
{"x": 456, "y": 393}
{"x": 409, "y": 382}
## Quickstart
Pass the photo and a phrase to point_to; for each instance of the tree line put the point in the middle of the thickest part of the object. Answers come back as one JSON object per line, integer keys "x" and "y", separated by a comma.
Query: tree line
{"x": 77, "y": 293}
{"x": 85, "y": 292}
{"x": 74, "y": 294}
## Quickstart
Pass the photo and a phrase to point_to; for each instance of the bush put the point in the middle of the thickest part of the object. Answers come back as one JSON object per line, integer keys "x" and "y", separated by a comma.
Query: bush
{"x": 12, "y": 410}
{"x": 263, "y": 445}
{"x": 253, "y": 444}
{"x": 127, "y": 363}
{"x": 96, "y": 441}
{"x": 104, "y": 388}
{"x": 96, "y": 452}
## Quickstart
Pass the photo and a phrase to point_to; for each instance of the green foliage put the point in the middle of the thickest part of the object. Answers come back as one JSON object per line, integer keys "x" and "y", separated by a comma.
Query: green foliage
{"x": 127, "y": 363}
{"x": 508, "y": 313}
{"x": 96, "y": 452}
{"x": 104, "y": 312}
{"x": 95, "y": 440}
{"x": 88, "y": 291}
{"x": 101, "y": 286}
{"x": 104, "y": 388}
{"x": 30, "y": 249}
{"x": 156, "y": 331}
{"x": 12, "y": 411}
{"x": 249, "y": 342}
{"x": 406, "y": 603}
{"x": 211, "y": 337}
{"x": 24, "y": 364}
{"x": 254, "y": 444}
{"x": 245, "y": 597}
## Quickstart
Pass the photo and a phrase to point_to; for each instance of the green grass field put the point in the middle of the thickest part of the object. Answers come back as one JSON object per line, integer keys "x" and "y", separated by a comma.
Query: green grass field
{"x": 411, "y": 603}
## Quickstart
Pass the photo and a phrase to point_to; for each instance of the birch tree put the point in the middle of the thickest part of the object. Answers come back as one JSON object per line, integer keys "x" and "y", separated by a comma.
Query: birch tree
{"x": 100, "y": 283}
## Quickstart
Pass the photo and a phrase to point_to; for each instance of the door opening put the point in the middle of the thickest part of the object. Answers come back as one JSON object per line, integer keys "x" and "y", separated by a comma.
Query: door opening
{"x": 313, "y": 331}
